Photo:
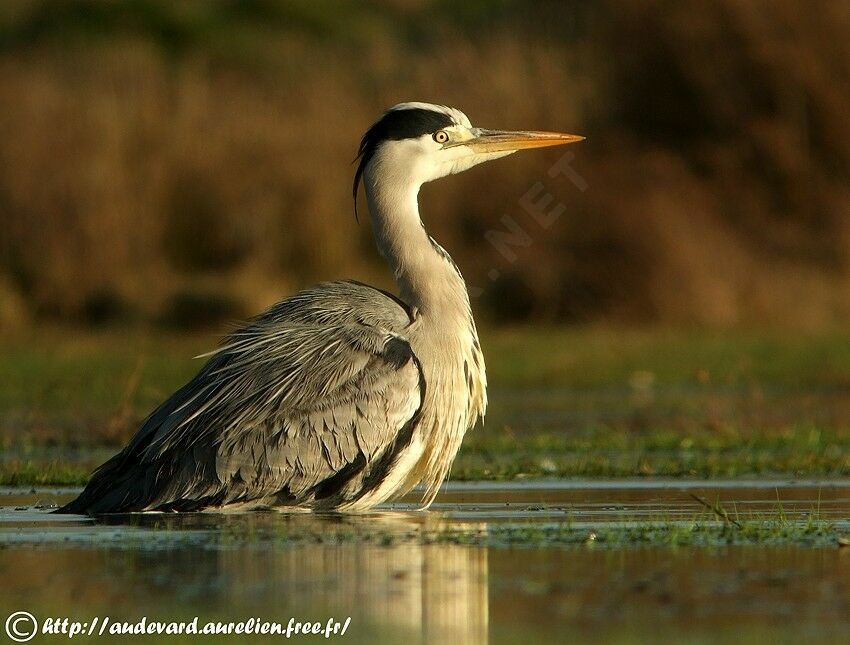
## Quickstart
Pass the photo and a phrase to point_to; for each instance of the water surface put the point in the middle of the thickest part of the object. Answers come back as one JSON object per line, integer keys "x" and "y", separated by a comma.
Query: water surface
{"x": 397, "y": 577}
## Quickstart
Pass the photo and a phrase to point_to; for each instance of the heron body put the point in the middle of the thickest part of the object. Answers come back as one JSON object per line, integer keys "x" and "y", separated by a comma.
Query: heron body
{"x": 342, "y": 396}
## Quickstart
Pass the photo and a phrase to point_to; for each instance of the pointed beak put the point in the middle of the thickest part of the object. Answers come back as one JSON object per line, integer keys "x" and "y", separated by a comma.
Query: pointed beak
{"x": 506, "y": 140}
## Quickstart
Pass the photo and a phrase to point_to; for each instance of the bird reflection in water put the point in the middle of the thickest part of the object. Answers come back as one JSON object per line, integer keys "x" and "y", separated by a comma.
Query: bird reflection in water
{"x": 379, "y": 568}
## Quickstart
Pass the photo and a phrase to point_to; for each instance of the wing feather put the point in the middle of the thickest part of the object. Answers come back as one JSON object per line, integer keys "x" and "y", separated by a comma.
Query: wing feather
{"x": 298, "y": 406}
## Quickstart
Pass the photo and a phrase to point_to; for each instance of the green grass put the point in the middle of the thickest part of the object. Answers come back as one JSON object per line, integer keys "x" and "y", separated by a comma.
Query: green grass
{"x": 691, "y": 533}
{"x": 594, "y": 358}
{"x": 605, "y": 452}
{"x": 702, "y": 530}
{"x": 43, "y": 473}
{"x": 616, "y": 403}
{"x": 58, "y": 368}
{"x": 596, "y": 453}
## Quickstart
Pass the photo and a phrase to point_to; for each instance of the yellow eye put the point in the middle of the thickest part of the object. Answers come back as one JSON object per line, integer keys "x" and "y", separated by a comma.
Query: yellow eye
{"x": 441, "y": 136}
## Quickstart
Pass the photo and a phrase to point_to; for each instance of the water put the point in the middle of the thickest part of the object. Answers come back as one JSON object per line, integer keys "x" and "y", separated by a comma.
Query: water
{"x": 391, "y": 574}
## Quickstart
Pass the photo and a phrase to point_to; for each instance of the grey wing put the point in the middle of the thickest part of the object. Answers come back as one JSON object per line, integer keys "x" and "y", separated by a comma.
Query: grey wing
{"x": 308, "y": 404}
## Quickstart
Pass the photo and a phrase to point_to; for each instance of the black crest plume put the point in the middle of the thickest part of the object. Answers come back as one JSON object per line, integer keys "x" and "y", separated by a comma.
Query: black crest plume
{"x": 394, "y": 125}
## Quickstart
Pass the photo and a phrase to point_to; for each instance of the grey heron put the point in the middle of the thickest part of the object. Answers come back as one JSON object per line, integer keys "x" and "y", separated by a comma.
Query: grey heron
{"x": 341, "y": 396}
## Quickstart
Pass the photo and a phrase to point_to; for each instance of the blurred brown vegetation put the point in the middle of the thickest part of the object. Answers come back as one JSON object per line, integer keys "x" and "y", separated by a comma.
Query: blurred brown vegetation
{"x": 181, "y": 162}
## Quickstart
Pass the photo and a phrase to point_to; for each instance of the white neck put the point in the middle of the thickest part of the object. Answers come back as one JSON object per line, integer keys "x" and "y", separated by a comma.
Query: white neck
{"x": 427, "y": 277}
{"x": 443, "y": 336}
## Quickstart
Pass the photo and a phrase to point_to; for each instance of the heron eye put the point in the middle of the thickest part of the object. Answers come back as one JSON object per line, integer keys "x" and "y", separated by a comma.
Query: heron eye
{"x": 441, "y": 136}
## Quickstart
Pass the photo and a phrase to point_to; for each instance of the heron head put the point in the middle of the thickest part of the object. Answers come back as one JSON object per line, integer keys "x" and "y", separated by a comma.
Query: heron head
{"x": 419, "y": 142}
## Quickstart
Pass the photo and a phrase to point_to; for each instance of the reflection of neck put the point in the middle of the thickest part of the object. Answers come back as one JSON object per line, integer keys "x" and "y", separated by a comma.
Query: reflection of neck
{"x": 427, "y": 277}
